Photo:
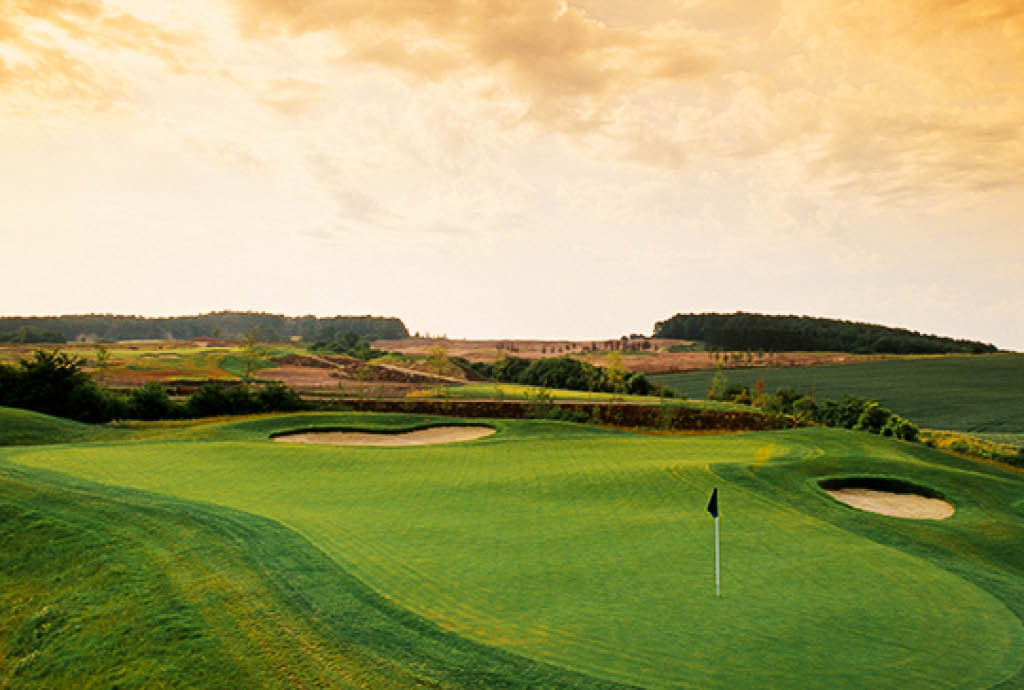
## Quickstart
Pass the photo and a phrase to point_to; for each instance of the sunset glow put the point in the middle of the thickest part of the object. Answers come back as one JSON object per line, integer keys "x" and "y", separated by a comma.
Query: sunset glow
{"x": 537, "y": 168}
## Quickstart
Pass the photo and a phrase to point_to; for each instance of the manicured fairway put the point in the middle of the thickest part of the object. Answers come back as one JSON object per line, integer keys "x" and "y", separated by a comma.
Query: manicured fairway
{"x": 590, "y": 550}
{"x": 965, "y": 393}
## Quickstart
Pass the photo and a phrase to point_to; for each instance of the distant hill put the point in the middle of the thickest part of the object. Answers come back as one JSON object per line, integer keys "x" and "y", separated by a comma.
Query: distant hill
{"x": 223, "y": 324}
{"x": 743, "y": 331}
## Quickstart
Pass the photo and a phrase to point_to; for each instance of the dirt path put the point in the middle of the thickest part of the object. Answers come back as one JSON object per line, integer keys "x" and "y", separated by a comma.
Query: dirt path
{"x": 893, "y": 504}
{"x": 436, "y": 434}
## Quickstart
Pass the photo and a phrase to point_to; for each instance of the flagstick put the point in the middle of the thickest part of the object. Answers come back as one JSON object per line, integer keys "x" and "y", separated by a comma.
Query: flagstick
{"x": 718, "y": 589}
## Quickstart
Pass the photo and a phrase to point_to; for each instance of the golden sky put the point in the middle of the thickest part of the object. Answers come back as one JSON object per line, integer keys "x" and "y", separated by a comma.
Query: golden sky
{"x": 526, "y": 168}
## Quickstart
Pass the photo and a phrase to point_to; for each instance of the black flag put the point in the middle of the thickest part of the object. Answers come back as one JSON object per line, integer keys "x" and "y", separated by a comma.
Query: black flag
{"x": 713, "y": 503}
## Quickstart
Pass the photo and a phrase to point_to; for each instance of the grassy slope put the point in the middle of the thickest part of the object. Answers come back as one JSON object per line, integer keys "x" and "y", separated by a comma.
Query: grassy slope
{"x": 24, "y": 427}
{"x": 105, "y": 587}
{"x": 979, "y": 393}
{"x": 590, "y": 549}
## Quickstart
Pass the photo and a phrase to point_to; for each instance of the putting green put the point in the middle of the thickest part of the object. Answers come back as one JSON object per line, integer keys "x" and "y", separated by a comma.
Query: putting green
{"x": 592, "y": 550}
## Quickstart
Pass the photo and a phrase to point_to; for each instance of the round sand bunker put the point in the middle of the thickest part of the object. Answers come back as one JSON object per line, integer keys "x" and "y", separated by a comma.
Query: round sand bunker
{"x": 419, "y": 437}
{"x": 889, "y": 497}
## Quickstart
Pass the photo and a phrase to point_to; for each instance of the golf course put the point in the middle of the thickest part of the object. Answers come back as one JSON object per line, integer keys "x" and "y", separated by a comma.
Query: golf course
{"x": 545, "y": 554}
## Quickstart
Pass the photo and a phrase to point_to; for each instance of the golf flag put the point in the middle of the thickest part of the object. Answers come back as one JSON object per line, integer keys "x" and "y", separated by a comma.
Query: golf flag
{"x": 713, "y": 503}
{"x": 713, "y": 509}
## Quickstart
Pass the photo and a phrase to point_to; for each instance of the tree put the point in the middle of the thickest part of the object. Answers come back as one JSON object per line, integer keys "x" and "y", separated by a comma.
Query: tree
{"x": 718, "y": 385}
{"x": 437, "y": 358}
{"x": 615, "y": 373}
{"x": 251, "y": 354}
{"x": 102, "y": 360}
{"x": 152, "y": 402}
{"x": 277, "y": 397}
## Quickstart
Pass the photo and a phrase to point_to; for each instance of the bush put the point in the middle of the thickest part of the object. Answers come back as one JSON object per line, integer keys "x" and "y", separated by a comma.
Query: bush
{"x": 873, "y": 418}
{"x": 901, "y": 428}
{"x": 741, "y": 397}
{"x": 277, "y": 397}
{"x": 787, "y": 396}
{"x": 151, "y": 402}
{"x": 805, "y": 409}
{"x": 54, "y": 383}
{"x": 843, "y": 413}
{"x": 218, "y": 399}
{"x": 348, "y": 344}
{"x": 508, "y": 369}
{"x": 638, "y": 384}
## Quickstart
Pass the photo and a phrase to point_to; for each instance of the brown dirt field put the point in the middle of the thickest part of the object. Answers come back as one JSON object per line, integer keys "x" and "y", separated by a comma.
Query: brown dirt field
{"x": 654, "y": 360}
{"x": 666, "y": 362}
{"x": 302, "y": 361}
{"x": 895, "y": 505}
{"x": 493, "y": 350}
{"x": 131, "y": 377}
{"x": 301, "y": 377}
{"x": 437, "y": 434}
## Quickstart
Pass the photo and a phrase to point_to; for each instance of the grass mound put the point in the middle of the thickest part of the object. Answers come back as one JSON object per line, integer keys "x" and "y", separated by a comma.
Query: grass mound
{"x": 24, "y": 427}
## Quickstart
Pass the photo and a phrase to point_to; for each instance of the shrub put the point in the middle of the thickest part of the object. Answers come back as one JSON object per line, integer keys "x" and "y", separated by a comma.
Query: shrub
{"x": 216, "y": 399}
{"x": 638, "y": 384}
{"x": 54, "y": 383}
{"x": 873, "y": 418}
{"x": 152, "y": 402}
{"x": 277, "y": 397}
{"x": 742, "y": 396}
{"x": 805, "y": 409}
{"x": 508, "y": 369}
{"x": 903, "y": 429}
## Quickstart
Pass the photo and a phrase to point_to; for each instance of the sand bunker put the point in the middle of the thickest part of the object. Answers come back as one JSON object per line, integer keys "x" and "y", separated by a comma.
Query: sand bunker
{"x": 903, "y": 505}
{"x": 435, "y": 434}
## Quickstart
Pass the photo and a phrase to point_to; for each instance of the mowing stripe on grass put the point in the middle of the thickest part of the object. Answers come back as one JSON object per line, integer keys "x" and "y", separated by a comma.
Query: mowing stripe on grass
{"x": 590, "y": 550}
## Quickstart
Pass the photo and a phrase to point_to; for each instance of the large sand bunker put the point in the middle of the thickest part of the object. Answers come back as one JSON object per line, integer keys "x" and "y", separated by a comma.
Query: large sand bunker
{"x": 419, "y": 437}
{"x": 889, "y": 497}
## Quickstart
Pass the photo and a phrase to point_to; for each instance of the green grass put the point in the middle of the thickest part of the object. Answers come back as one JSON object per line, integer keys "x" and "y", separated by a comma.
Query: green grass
{"x": 515, "y": 391}
{"x": 24, "y": 427}
{"x": 104, "y": 587}
{"x": 189, "y": 362}
{"x": 981, "y": 393}
{"x": 549, "y": 550}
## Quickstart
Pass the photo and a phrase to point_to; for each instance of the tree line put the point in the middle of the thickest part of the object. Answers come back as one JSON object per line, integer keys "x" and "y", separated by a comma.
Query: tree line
{"x": 565, "y": 373}
{"x": 222, "y": 324}
{"x": 762, "y": 332}
{"x": 29, "y": 334}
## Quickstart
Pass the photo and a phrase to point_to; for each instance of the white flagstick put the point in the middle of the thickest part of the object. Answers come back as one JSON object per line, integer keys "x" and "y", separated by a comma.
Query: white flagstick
{"x": 718, "y": 589}
{"x": 713, "y": 509}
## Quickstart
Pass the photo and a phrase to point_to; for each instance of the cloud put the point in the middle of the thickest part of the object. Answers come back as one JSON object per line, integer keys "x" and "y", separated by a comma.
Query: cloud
{"x": 910, "y": 98}
{"x": 70, "y": 50}
{"x": 566, "y": 65}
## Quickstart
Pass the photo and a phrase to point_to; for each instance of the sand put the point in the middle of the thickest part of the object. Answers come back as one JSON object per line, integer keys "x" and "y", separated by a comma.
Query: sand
{"x": 897, "y": 505}
{"x": 435, "y": 434}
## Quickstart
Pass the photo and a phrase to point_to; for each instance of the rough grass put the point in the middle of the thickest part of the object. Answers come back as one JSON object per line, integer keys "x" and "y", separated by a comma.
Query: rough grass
{"x": 979, "y": 393}
{"x": 998, "y": 447}
{"x": 589, "y": 551}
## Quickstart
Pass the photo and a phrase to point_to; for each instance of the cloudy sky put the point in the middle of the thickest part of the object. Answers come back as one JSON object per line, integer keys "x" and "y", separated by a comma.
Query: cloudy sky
{"x": 520, "y": 168}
